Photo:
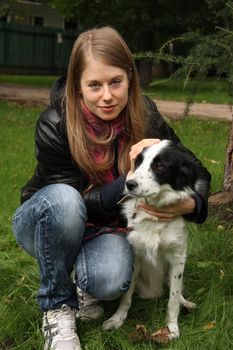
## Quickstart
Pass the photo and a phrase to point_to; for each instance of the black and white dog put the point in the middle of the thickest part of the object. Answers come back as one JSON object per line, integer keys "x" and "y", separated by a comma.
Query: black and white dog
{"x": 164, "y": 174}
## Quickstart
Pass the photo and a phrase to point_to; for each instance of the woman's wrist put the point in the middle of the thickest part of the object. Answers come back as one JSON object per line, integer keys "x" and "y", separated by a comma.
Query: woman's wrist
{"x": 189, "y": 206}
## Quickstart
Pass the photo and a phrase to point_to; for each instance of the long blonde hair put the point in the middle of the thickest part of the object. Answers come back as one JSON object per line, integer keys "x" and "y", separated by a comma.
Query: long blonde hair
{"x": 107, "y": 45}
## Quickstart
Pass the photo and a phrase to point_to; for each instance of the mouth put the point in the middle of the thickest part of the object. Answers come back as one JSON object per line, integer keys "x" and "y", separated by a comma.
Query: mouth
{"x": 108, "y": 109}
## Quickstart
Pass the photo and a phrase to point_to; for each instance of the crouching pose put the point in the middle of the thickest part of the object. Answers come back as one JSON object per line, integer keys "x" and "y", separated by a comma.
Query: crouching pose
{"x": 69, "y": 218}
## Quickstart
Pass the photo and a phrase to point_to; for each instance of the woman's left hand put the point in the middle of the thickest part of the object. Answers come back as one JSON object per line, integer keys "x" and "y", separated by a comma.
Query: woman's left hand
{"x": 138, "y": 148}
{"x": 170, "y": 212}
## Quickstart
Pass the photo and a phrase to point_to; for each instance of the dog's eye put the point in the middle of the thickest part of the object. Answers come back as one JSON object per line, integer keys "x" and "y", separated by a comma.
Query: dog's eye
{"x": 158, "y": 165}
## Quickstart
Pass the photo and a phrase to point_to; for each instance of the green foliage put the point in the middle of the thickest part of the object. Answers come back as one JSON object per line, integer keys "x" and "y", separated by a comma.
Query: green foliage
{"x": 197, "y": 55}
{"x": 146, "y": 24}
{"x": 207, "y": 55}
{"x": 208, "y": 275}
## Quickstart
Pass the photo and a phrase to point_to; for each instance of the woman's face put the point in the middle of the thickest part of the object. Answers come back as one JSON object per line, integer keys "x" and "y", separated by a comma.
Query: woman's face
{"x": 104, "y": 89}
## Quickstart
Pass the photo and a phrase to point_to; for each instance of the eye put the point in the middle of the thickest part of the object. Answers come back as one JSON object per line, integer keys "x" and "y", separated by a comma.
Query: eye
{"x": 94, "y": 85}
{"x": 157, "y": 165}
{"x": 115, "y": 82}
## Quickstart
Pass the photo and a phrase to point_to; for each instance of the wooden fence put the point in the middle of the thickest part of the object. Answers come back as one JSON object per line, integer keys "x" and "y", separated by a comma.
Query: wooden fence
{"x": 29, "y": 49}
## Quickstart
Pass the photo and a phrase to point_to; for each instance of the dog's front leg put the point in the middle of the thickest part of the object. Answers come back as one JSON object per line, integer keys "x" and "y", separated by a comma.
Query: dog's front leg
{"x": 120, "y": 315}
{"x": 176, "y": 278}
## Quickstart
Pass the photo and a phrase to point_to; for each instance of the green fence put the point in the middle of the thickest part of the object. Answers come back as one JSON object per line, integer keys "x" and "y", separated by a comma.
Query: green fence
{"x": 32, "y": 48}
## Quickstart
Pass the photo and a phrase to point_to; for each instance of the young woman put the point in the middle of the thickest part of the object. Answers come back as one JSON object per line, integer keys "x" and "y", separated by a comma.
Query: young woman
{"x": 86, "y": 143}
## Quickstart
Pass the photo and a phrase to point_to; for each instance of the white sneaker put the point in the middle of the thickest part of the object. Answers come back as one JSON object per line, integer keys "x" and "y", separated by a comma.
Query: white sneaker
{"x": 88, "y": 308}
{"x": 59, "y": 329}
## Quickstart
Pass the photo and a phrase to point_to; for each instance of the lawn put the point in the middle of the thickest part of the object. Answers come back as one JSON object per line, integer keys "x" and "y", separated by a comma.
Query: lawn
{"x": 209, "y": 90}
{"x": 28, "y": 80}
{"x": 208, "y": 275}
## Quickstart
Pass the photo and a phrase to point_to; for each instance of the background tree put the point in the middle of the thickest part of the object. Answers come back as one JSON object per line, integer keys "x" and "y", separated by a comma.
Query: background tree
{"x": 146, "y": 24}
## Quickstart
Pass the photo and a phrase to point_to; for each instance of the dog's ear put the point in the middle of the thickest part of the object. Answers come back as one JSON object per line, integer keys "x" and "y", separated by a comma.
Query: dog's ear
{"x": 188, "y": 172}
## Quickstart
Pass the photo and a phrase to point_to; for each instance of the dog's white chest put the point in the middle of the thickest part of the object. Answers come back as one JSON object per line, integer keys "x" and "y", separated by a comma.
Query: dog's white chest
{"x": 149, "y": 237}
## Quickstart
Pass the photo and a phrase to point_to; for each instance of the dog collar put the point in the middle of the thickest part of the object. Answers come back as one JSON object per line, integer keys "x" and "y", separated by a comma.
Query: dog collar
{"x": 124, "y": 199}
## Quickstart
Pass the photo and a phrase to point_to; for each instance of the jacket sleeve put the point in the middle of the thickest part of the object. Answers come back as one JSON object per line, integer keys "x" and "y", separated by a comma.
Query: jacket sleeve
{"x": 158, "y": 128}
{"x": 55, "y": 164}
{"x": 103, "y": 201}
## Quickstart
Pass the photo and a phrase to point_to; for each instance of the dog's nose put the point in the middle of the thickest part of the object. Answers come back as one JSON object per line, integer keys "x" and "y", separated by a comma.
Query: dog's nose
{"x": 131, "y": 185}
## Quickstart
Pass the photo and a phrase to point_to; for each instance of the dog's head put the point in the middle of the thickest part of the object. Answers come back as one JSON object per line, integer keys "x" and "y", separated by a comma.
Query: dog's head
{"x": 162, "y": 166}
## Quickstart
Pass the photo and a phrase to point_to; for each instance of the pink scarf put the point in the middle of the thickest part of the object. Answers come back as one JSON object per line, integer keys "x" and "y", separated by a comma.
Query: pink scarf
{"x": 96, "y": 127}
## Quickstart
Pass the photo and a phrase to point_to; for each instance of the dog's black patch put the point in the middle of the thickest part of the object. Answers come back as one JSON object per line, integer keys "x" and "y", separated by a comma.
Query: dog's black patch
{"x": 175, "y": 167}
{"x": 138, "y": 160}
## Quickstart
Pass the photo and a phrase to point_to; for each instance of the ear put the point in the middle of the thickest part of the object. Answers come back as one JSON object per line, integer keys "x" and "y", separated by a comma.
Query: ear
{"x": 185, "y": 168}
{"x": 188, "y": 172}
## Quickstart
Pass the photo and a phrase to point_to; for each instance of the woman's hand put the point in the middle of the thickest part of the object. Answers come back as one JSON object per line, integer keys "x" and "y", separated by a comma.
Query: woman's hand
{"x": 170, "y": 212}
{"x": 138, "y": 148}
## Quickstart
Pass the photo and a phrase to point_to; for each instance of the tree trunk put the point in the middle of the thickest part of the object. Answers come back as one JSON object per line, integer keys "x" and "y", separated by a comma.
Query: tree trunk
{"x": 226, "y": 196}
{"x": 145, "y": 66}
{"x": 145, "y": 72}
{"x": 228, "y": 170}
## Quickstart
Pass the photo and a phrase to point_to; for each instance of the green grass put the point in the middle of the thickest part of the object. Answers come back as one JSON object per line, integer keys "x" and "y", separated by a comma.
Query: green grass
{"x": 209, "y": 90}
{"x": 28, "y": 80}
{"x": 208, "y": 275}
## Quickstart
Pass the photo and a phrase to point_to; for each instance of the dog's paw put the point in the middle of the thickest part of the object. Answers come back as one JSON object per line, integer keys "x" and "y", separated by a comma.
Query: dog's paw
{"x": 173, "y": 330}
{"x": 112, "y": 323}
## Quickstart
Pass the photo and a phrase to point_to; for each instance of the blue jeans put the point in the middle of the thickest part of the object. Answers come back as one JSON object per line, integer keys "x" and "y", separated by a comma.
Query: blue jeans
{"x": 51, "y": 227}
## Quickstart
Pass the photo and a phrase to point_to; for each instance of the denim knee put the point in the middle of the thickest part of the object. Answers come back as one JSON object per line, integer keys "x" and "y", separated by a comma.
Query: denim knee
{"x": 67, "y": 207}
{"x": 56, "y": 210}
{"x": 116, "y": 281}
{"x": 104, "y": 266}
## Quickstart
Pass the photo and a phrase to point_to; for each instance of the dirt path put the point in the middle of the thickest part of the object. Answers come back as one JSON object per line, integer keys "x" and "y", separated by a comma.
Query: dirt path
{"x": 170, "y": 109}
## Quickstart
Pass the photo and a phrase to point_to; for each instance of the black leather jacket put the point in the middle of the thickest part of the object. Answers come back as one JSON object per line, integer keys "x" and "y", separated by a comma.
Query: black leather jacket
{"x": 56, "y": 165}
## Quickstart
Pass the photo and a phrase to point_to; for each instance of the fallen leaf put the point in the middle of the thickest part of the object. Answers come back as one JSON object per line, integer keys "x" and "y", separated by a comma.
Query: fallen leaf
{"x": 213, "y": 161}
{"x": 162, "y": 335}
{"x": 141, "y": 334}
{"x": 209, "y": 325}
{"x": 141, "y": 327}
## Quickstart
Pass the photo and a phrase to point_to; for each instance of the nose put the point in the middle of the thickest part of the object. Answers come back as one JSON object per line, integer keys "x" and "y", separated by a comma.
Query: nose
{"x": 107, "y": 96}
{"x": 131, "y": 185}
